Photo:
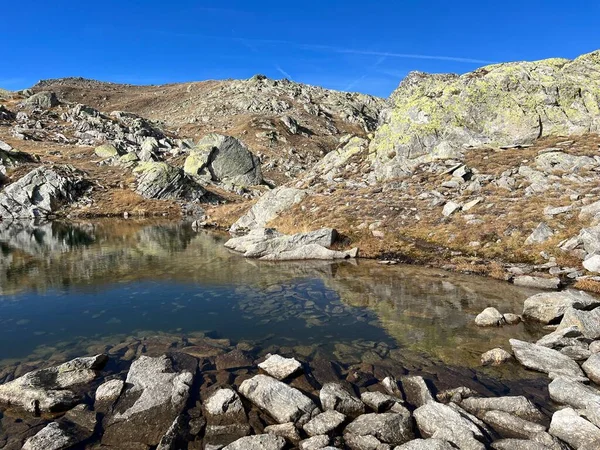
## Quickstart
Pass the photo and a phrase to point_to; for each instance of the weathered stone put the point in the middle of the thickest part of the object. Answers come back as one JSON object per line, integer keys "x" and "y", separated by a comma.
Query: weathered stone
{"x": 389, "y": 428}
{"x": 324, "y": 423}
{"x": 314, "y": 443}
{"x": 159, "y": 180}
{"x": 225, "y": 415}
{"x": 570, "y": 427}
{"x": 155, "y": 394}
{"x": 258, "y": 442}
{"x": 42, "y": 99}
{"x": 495, "y": 357}
{"x": 510, "y": 426}
{"x": 282, "y": 402}
{"x": 588, "y": 322}
{"x": 52, "y": 437}
{"x": 106, "y": 151}
{"x": 536, "y": 282}
{"x": 592, "y": 368}
{"x": 550, "y": 307}
{"x": 285, "y": 430}
{"x": 268, "y": 207}
{"x": 109, "y": 392}
{"x": 425, "y": 444}
{"x": 569, "y": 392}
{"x": 544, "y": 359}
{"x": 416, "y": 390}
{"x": 489, "y": 317}
{"x": 436, "y": 420}
{"x": 518, "y": 406}
{"x": 390, "y": 384}
{"x": 378, "y": 401}
{"x": 334, "y": 397}
{"x": 280, "y": 367}
{"x": 48, "y": 390}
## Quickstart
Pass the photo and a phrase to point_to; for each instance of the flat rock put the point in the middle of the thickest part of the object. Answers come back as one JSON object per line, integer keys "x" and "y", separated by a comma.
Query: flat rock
{"x": 235, "y": 359}
{"x": 518, "y": 406}
{"x": 570, "y": 427}
{"x": 48, "y": 390}
{"x": 155, "y": 394}
{"x": 335, "y": 397}
{"x": 324, "y": 423}
{"x": 282, "y": 402}
{"x": 569, "y": 392}
{"x": 544, "y": 359}
{"x": 551, "y": 306}
{"x": 510, "y": 426}
{"x": 389, "y": 428}
{"x": 258, "y": 442}
{"x": 537, "y": 282}
{"x": 279, "y": 367}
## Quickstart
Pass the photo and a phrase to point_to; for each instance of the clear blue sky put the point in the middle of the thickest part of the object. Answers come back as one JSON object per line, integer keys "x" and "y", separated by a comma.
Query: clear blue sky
{"x": 366, "y": 46}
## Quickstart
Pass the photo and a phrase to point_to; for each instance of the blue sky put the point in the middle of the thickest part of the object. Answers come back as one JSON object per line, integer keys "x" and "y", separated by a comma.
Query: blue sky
{"x": 348, "y": 45}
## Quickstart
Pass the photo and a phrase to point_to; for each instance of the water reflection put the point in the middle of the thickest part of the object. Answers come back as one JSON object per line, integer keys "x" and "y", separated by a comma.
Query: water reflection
{"x": 67, "y": 285}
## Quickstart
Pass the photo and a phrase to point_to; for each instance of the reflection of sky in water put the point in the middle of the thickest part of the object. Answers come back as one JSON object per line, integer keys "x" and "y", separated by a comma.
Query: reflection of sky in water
{"x": 63, "y": 283}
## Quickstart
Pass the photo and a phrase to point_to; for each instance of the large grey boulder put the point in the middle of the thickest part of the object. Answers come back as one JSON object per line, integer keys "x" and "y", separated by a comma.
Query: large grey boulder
{"x": 282, "y": 402}
{"x": 258, "y": 442}
{"x": 389, "y": 428}
{"x": 549, "y": 307}
{"x": 51, "y": 389}
{"x": 436, "y": 420}
{"x": 416, "y": 390}
{"x": 159, "y": 180}
{"x": 44, "y": 99}
{"x": 268, "y": 207}
{"x": 570, "y": 392}
{"x": 489, "y": 317}
{"x": 56, "y": 436}
{"x": 592, "y": 368}
{"x": 41, "y": 192}
{"x": 426, "y": 444}
{"x": 155, "y": 394}
{"x": 588, "y": 322}
{"x": 324, "y": 423}
{"x": 544, "y": 359}
{"x": 436, "y": 116}
{"x": 570, "y": 427}
{"x": 334, "y": 396}
{"x": 510, "y": 426}
{"x": 224, "y": 158}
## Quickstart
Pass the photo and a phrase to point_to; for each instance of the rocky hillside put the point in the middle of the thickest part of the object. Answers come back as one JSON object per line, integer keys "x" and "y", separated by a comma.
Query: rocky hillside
{"x": 289, "y": 125}
{"x": 437, "y": 116}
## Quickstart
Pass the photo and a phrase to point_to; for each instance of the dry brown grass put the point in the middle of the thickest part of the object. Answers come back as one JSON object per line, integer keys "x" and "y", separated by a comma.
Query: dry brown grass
{"x": 588, "y": 285}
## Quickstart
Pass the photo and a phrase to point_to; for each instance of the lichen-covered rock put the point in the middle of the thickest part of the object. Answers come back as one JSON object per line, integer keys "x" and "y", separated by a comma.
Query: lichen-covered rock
{"x": 50, "y": 390}
{"x": 224, "y": 158}
{"x": 106, "y": 151}
{"x": 160, "y": 180}
{"x": 44, "y": 99}
{"x": 41, "y": 192}
{"x": 436, "y": 116}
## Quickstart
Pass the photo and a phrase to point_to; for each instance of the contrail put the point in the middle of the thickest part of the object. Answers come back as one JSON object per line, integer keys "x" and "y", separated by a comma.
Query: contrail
{"x": 284, "y": 73}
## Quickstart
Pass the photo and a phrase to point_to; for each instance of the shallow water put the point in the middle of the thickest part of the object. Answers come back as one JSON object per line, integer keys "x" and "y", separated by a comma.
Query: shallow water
{"x": 66, "y": 289}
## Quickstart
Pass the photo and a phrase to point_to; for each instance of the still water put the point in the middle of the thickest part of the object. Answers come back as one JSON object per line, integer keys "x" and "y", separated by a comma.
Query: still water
{"x": 67, "y": 286}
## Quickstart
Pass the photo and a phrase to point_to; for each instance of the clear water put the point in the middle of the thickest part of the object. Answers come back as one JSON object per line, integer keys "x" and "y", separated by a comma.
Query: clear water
{"x": 67, "y": 287}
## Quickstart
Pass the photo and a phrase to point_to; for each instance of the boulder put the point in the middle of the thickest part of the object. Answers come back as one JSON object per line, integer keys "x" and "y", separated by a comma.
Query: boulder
{"x": 258, "y": 442}
{"x": 279, "y": 367}
{"x": 549, "y": 307}
{"x": 159, "y": 180}
{"x": 518, "y": 406}
{"x": 44, "y": 99}
{"x": 155, "y": 394}
{"x": 436, "y": 420}
{"x": 324, "y": 423}
{"x": 282, "y": 402}
{"x": 335, "y": 397}
{"x": 588, "y": 322}
{"x": 544, "y": 359}
{"x": 489, "y": 317}
{"x": 50, "y": 390}
{"x": 426, "y": 444}
{"x": 510, "y": 426}
{"x": 569, "y": 336}
{"x": 570, "y": 392}
{"x": 592, "y": 368}
{"x": 268, "y": 207}
{"x": 226, "y": 159}
{"x": 225, "y": 415}
{"x": 41, "y": 192}
{"x": 108, "y": 393}
{"x": 569, "y": 426}
{"x": 389, "y": 428}
{"x": 106, "y": 151}
{"x": 55, "y": 436}
{"x": 380, "y": 402}
{"x": 437, "y": 116}
{"x": 416, "y": 390}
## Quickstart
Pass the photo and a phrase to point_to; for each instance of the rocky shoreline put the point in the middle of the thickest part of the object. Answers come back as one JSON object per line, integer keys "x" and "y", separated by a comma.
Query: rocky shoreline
{"x": 207, "y": 394}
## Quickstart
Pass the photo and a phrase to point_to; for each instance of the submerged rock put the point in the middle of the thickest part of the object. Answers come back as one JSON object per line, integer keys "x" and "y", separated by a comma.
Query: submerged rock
{"x": 49, "y": 390}
{"x": 155, "y": 394}
{"x": 495, "y": 357}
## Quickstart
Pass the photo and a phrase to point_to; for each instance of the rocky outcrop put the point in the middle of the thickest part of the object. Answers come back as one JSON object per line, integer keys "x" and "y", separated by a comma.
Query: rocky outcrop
{"x": 268, "y": 207}
{"x": 269, "y": 245}
{"x": 223, "y": 159}
{"x": 44, "y": 99}
{"x": 11, "y": 158}
{"x": 436, "y": 116}
{"x": 51, "y": 389}
{"x": 160, "y": 180}
{"x": 41, "y": 192}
